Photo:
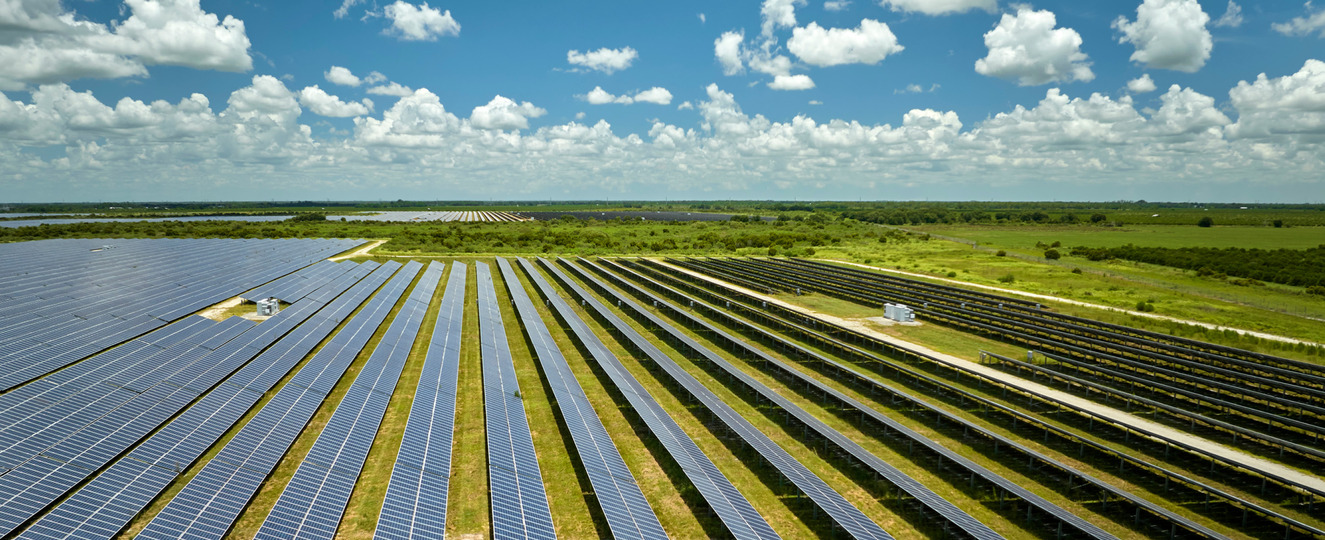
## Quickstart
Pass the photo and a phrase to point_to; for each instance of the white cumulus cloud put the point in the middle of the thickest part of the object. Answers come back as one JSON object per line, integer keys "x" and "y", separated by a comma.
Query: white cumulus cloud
{"x": 1168, "y": 34}
{"x": 778, "y": 14}
{"x": 504, "y": 113}
{"x": 656, "y": 95}
{"x": 324, "y": 104}
{"x": 1141, "y": 85}
{"x": 605, "y": 60}
{"x": 341, "y": 76}
{"x": 837, "y": 5}
{"x": 727, "y": 49}
{"x": 42, "y": 43}
{"x": 869, "y": 43}
{"x": 1027, "y": 48}
{"x": 419, "y": 23}
{"x": 1291, "y": 106}
{"x": 792, "y": 82}
{"x": 1312, "y": 22}
{"x": 940, "y": 7}
{"x": 391, "y": 89}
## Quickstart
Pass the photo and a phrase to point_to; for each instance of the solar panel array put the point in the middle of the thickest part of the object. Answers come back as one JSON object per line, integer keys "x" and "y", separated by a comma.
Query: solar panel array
{"x": 133, "y": 481}
{"x": 727, "y": 503}
{"x": 208, "y": 505}
{"x": 519, "y": 502}
{"x": 62, "y": 301}
{"x": 312, "y": 503}
{"x": 628, "y": 513}
{"x": 481, "y": 215}
{"x": 844, "y": 514}
{"x": 294, "y": 287}
{"x": 415, "y": 502}
{"x": 945, "y": 509}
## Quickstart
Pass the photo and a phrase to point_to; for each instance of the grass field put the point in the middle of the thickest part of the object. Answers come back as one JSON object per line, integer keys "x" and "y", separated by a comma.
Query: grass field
{"x": 1220, "y": 236}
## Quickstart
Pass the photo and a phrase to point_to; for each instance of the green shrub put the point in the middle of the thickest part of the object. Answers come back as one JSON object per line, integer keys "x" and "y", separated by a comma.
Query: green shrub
{"x": 1206, "y": 221}
{"x": 1007, "y": 279}
{"x": 1052, "y": 254}
{"x": 1001, "y": 253}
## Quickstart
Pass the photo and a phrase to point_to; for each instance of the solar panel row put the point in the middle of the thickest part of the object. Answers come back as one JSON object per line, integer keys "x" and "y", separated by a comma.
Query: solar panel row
{"x": 179, "y": 443}
{"x": 730, "y": 506}
{"x": 312, "y": 503}
{"x": 208, "y": 505}
{"x": 415, "y": 501}
{"x": 845, "y": 515}
{"x": 519, "y": 502}
{"x": 945, "y": 509}
{"x": 293, "y": 287}
{"x": 73, "y": 303}
{"x": 627, "y": 512}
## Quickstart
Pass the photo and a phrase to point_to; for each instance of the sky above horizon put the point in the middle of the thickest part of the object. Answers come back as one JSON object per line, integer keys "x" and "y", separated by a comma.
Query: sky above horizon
{"x": 1174, "y": 100}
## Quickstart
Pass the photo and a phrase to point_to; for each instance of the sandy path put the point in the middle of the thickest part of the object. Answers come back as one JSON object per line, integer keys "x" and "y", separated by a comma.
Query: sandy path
{"x": 1140, "y": 425}
{"x": 361, "y": 252}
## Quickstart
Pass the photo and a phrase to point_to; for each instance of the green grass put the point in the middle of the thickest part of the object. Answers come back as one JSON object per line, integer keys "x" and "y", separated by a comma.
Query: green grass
{"x": 637, "y": 448}
{"x": 568, "y": 491}
{"x": 469, "y": 513}
{"x": 1271, "y": 308}
{"x": 1025, "y": 237}
{"x": 248, "y": 523}
{"x": 365, "y": 504}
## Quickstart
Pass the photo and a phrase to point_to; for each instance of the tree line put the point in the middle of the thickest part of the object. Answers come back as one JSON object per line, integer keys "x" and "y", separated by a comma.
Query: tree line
{"x": 1303, "y": 268}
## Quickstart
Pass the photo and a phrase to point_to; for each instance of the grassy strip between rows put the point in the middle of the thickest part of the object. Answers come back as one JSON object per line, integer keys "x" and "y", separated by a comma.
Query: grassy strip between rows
{"x": 143, "y": 518}
{"x": 256, "y": 512}
{"x": 953, "y": 340}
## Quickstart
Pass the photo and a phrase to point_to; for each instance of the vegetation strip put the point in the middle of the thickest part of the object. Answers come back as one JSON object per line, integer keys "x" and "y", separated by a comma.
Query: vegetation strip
{"x": 922, "y": 494}
{"x": 844, "y": 515}
{"x": 735, "y": 511}
{"x": 417, "y": 493}
{"x": 1215, "y": 502}
{"x": 627, "y": 512}
{"x": 312, "y": 503}
{"x": 210, "y": 503}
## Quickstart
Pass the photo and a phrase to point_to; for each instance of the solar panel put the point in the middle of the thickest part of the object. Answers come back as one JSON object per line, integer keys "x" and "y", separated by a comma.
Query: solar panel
{"x": 415, "y": 501}
{"x": 844, "y": 514}
{"x": 312, "y": 504}
{"x": 727, "y": 503}
{"x": 519, "y": 502}
{"x": 627, "y": 512}
{"x": 208, "y": 505}
{"x": 182, "y": 441}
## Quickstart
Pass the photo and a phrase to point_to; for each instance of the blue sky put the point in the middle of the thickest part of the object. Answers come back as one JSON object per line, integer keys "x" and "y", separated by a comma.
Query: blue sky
{"x": 781, "y": 99}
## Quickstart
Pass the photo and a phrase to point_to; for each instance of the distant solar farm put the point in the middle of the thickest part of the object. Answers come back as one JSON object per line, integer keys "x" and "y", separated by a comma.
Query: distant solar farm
{"x": 610, "y": 398}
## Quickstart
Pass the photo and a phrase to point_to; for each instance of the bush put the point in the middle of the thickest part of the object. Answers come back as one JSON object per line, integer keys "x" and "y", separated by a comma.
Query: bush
{"x": 952, "y": 274}
{"x": 1142, "y": 305}
{"x": 1278, "y": 223}
{"x": 1007, "y": 279}
{"x": 1316, "y": 289}
{"x": 1001, "y": 253}
{"x": 1206, "y": 221}
{"x": 1098, "y": 218}
{"x": 772, "y": 251}
{"x": 1076, "y": 270}
{"x": 1053, "y": 255}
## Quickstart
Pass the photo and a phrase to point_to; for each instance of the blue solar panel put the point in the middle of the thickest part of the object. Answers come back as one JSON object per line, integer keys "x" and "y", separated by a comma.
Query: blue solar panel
{"x": 735, "y": 511}
{"x": 182, "y": 441}
{"x": 415, "y": 501}
{"x": 844, "y": 514}
{"x": 627, "y": 512}
{"x": 312, "y": 503}
{"x": 209, "y": 504}
{"x": 519, "y": 502}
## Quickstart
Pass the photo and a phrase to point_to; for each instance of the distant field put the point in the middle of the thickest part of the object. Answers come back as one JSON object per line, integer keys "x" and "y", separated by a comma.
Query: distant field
{"x": 1024, "y": 237}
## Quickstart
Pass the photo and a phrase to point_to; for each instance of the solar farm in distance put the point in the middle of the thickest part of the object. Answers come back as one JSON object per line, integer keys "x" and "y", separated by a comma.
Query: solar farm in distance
{"x": 416, "y": 393}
